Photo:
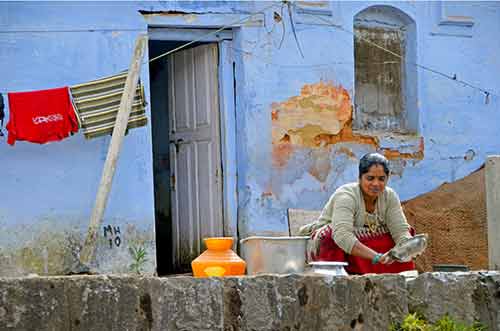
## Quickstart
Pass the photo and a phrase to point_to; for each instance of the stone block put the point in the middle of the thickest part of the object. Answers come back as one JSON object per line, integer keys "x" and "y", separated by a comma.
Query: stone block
{"x": 107, "y": 303}
{"x": 186, "y": 303}
{"x": 295, "y": 302}
{"x": 466, "y": 297}
{"x": 33, "y": 304}
{"x": 486, "y": 298}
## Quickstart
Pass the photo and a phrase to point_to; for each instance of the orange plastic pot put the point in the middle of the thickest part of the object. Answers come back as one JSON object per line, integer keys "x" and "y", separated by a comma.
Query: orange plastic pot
{"x": 218, "y": 260}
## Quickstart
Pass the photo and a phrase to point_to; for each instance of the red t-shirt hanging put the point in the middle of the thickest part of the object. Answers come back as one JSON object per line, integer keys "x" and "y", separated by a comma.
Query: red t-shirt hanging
{"x": 41, "y": 116}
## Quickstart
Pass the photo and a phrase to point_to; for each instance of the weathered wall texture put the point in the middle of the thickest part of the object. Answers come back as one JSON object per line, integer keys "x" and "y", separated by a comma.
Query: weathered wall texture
{"x": 288, "y": 302}
{"x": 295, "y": 142}
{"x": 56, "y": 250}
{"x": 307, "y": 106}
{"x": 48, "y": 191}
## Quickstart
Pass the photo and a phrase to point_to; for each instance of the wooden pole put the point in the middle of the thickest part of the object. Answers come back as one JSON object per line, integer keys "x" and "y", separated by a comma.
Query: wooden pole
{"x": 88, "y": 250}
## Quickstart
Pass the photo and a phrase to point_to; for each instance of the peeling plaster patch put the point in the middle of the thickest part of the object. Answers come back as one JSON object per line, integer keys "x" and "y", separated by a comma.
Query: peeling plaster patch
{"x": 346, "y": 135}
{"x": 115, "y": 34}
{"x": 321, "y": 116}
{"x": 319, "y": 109}
{"x": 398, "y": 157}
{"x": 314, "y": 145}
{"x": 393, "y": 154}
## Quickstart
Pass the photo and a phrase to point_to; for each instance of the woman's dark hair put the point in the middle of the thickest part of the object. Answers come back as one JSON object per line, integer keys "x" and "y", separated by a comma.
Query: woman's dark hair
{"x": 372, "y": 159}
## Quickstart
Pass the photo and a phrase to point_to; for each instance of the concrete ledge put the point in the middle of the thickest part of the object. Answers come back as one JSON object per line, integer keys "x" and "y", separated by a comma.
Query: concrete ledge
{"x": 269, "y": 302}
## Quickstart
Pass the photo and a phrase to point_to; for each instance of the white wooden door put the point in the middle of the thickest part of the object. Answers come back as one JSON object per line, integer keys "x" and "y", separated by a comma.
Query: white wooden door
{"x": 194, "y": 151}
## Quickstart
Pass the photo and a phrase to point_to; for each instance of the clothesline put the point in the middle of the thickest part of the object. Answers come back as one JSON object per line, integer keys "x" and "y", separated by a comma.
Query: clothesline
{"x": 212, "y": 33}
{"x": 90, "y": 106}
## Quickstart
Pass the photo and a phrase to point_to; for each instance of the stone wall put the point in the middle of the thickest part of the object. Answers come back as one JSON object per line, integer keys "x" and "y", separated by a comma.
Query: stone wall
{"x": 271, "y": 302}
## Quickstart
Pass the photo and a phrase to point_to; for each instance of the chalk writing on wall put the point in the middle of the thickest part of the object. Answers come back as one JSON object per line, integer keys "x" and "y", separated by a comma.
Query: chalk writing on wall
{"x": 112, "y": 233}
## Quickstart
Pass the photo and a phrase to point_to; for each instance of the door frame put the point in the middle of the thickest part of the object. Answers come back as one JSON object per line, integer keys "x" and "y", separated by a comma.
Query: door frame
{"x": 227, "y": 113}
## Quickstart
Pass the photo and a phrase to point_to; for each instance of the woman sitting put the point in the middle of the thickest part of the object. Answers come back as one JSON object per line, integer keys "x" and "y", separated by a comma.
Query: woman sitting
{"x": 361, "y": 222}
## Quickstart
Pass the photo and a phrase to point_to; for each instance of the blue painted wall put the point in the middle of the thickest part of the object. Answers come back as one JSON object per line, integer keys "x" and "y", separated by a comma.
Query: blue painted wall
{"x": 453, "y": 119}
{"x": 47, "y": 192}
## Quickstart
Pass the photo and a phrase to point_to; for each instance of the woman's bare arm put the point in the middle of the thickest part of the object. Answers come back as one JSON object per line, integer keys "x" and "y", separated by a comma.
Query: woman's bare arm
{"x": 366, "y": 252}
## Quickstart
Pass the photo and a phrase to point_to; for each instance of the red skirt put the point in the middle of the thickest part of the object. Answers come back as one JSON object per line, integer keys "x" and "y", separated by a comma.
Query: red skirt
{"x": 380, "y": 243}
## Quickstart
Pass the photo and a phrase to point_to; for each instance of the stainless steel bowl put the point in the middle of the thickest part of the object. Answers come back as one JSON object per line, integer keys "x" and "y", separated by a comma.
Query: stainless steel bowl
{"x": 279, "y": 255}
{"x": 328, "y": 268}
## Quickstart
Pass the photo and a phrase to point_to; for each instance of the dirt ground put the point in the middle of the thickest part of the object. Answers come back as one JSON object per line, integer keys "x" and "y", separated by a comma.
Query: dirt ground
{"x": 454, "y": 216}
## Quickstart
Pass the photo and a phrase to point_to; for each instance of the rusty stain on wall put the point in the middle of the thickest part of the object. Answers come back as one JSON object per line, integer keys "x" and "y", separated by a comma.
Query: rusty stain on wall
{"x": 320, "y": 117}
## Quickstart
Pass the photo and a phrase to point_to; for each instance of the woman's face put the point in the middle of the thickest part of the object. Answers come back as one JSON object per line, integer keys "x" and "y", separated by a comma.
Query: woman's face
{"x": 373, "y": 182}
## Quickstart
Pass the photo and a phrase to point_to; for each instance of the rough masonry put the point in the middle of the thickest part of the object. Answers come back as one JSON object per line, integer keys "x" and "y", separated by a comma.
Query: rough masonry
{"x": 268, "y": 302}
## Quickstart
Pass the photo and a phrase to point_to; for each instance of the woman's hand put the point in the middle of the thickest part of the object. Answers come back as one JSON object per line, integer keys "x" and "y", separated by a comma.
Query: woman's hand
{"x": 386, "y": 259}
{"x": 367, "y": 253}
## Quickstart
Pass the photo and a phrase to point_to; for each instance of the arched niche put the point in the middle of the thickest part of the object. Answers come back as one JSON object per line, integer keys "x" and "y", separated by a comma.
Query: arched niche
{"x": 385, "y": 84}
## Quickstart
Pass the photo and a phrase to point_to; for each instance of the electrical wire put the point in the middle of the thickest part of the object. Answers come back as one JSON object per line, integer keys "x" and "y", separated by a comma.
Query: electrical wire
{"x": 212, "y": 33}
{"x": 283, "y": 26}
{"x": 454, "y": 78}
{"x": 226, "y": 26}
{"x": 329, "y": 23}
{"x": 293, "y": 28}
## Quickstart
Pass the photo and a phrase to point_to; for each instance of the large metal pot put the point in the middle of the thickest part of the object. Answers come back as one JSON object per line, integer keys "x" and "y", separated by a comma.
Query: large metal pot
{"x": 280, "y": 255}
